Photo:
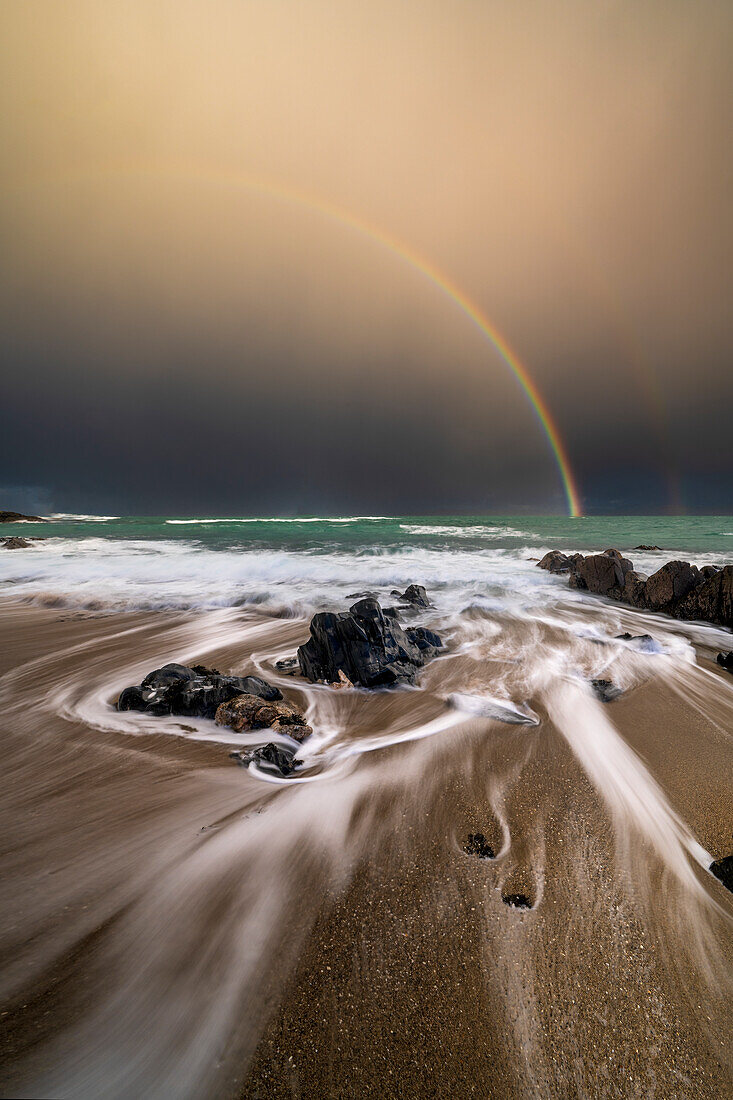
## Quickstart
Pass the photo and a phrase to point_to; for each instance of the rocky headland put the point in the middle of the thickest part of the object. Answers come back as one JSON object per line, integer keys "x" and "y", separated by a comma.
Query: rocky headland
{"x": 19, "y": 517}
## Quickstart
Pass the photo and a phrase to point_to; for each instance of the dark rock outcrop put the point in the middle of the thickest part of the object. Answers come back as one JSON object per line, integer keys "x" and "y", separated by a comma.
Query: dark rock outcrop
{"x": 191, "y": 692}
{"x": 250, "y": 712}
{"x": 15, "y": 543}
{"x": 726, "y": 660}
{"x": 276, "y": 759}
{"x": 670, "y": 584}
{"x": 18, "y": 517}
{"x": 723, "y": 870}
{"x": 634, "y": 588}
{"x": 644, "y": 546}
{"x": 477, "y": 845}
{"x": 711, "y": 600}
{"x": 677, "y": 588}
{"x": 601, "y": 573}
{"x": 369, "y": 647}
{"x": 555, "y": 562}
{"x": 414, "y": 594}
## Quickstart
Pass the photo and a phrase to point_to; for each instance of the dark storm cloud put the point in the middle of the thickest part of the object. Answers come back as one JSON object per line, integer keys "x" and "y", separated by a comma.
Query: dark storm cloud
{"x": 173, "y": 341}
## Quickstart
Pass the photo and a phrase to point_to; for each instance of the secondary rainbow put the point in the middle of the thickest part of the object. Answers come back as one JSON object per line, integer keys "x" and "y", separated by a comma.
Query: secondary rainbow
{"x": 399, "y": 248}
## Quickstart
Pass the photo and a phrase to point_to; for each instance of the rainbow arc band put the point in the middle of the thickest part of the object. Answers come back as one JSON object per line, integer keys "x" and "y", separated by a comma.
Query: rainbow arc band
{"x": 330, "y": 210}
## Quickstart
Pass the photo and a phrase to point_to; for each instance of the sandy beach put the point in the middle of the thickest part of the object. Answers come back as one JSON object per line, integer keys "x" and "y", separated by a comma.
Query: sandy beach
{"x": 174, "y": 925}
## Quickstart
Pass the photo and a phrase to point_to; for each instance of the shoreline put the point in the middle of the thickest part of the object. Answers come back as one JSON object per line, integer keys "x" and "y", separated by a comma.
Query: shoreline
{"x": 339, "y": 921}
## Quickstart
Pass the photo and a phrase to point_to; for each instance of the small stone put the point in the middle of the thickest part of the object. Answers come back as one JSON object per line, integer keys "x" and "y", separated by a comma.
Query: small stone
{"x": 517, "y": 901}
{"x": 723, "y": 870}
{"x": 606, "y": 690}
{"x": 477, "y": 845}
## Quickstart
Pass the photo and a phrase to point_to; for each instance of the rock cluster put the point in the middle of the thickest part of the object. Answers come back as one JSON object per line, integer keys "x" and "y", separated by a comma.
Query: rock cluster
{"x": 195, "y": 692}
{"x": 367, "y": 645}
{"x": 677, "y": 589}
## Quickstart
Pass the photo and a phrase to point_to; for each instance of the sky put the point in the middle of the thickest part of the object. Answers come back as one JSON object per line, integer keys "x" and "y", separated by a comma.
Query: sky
{"x": 194, "y": 320}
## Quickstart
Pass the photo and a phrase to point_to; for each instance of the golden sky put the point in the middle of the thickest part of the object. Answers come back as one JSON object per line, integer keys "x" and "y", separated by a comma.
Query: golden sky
{"x": 568, "y": 164}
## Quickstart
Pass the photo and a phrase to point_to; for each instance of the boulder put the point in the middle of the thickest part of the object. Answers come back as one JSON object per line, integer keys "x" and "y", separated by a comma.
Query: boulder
{"x": 250, "y": 712}
{"x": 15, "y": 543}
{"x": 195, "y": 692}
{"x": 370, "y": 648}
{"x": 131, "y": 699}
{"x": 277, "y": 759}
{"x": 602, "y": 574}
{"x": 711, "y": 600}
{"x": 555, "y": 562}
{"x": 634, "y": 588}
{"x": 414, "y": 594}
{"x": 725, "y": 660}
{"x": 645, "y": 546}
{"x": 723, "y": 870}
{"x": 670, "y": 584}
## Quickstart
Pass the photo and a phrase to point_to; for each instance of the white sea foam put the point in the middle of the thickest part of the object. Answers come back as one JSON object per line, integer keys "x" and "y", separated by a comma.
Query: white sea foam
{"x": 469, "y": 532}
{"x": 170, "y": 574}
{"x": 274, "y": 519}
{"x": 81, "y": 518}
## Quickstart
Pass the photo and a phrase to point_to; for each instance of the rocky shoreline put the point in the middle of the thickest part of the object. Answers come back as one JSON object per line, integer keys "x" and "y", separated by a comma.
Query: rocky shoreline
{"x": 678, "y": 588}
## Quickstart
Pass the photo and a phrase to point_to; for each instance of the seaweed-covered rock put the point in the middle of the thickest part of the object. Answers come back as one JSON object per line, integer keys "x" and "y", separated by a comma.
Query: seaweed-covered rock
{"x": 370, "y": 648}
{"x": 250, "y": 712}
{"x": 276, "y": 759}
{"x": 195, "y": 692}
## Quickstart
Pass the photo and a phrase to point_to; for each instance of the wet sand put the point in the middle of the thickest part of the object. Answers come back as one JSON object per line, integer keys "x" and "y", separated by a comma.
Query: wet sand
{"x": 172, "y": 925}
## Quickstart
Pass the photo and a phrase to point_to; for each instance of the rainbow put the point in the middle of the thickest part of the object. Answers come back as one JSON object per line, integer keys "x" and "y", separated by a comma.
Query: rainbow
{"x": 290, "y": 194}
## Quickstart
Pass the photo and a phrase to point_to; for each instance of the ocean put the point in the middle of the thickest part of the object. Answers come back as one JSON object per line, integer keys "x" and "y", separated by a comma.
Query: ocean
{"x": 147, "y": 562}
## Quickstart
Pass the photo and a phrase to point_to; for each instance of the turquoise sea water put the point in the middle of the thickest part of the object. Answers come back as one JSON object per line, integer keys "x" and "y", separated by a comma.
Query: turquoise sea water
{"x": 171, "y": 562}
{"x": 708, "y": 534}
